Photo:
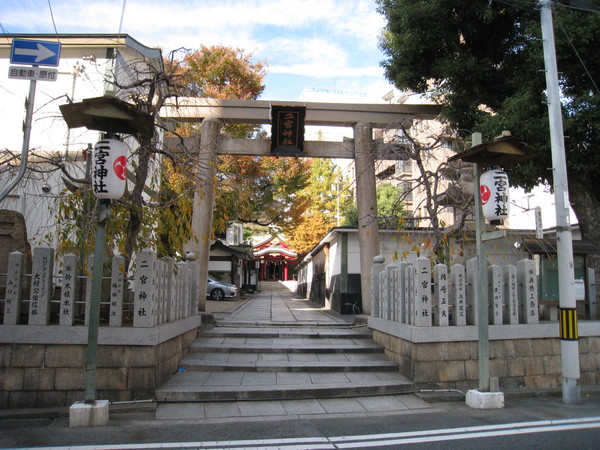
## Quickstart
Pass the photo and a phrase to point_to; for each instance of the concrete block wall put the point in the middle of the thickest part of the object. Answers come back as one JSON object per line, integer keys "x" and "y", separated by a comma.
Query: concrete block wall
{"x": 528, "y": 363}
{"x": 44, "y": 375}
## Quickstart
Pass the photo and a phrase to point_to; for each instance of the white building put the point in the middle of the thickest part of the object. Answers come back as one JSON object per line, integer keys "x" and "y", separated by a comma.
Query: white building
{"x": 90, "y": 66}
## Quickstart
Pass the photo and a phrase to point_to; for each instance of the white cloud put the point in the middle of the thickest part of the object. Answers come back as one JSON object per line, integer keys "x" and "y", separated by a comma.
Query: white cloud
{"x": 309, "y": 38}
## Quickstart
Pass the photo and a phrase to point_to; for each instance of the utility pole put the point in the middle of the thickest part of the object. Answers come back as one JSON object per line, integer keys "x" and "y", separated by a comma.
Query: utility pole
{"x": 564, "y": 246}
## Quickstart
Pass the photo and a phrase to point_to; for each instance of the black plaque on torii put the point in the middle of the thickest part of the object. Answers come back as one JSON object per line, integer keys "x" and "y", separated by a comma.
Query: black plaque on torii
{"x": 287, "y": 129}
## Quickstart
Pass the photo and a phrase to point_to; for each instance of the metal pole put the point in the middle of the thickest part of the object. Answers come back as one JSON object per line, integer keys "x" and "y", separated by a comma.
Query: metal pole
{"x": 564, "y": 246}
{"x": 94, "y": 316}
{"x": 482, "y": 297}
{"x": 26, "y": 135}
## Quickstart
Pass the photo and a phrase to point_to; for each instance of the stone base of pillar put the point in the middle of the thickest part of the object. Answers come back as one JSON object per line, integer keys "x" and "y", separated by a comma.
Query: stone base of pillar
{"x": 485, "y": 400}
{"x": 88, "y": 414}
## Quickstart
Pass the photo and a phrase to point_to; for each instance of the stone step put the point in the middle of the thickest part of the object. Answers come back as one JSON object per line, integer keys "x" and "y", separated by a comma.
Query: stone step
{"x": 284, "y": 345}
{"x": 288, "y": 332}
{"x": 287, "y": 362}
{"x": 245, "y": 385}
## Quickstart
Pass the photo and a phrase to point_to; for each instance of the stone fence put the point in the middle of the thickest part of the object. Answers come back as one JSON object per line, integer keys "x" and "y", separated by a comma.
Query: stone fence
{"x": 163, "y": 291}
{"x": 147, "y": 324}
{"x": 409, "y": 293}
{"x": 426, "y": 319}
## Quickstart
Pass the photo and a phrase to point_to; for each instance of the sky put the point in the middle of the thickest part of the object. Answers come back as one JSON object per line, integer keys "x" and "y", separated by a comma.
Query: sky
{"x": 316, "y": 50}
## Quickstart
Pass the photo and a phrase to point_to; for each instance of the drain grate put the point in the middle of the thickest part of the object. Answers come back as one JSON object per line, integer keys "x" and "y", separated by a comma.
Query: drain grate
{"x": 6, "y": 424}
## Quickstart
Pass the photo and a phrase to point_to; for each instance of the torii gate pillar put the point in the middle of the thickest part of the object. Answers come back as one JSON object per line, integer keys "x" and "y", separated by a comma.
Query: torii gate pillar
{"x": 366, "y": 199}
{"x": 204, "y": 200}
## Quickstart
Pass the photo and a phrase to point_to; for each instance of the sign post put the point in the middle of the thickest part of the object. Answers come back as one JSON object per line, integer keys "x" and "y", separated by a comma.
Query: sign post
{"x": 36, "y": 53}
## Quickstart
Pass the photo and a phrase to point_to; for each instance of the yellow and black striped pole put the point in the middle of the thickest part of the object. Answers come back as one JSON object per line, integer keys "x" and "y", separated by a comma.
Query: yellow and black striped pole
{"x": 568, "y": 324}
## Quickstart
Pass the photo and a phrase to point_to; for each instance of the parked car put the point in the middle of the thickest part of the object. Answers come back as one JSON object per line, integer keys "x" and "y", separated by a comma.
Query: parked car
{"x": 218, "y": 290}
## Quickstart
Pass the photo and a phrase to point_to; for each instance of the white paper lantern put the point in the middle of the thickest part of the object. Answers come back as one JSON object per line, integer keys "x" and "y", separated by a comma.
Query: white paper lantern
{"x": 109, "y": 169}
{"x": 493, "y": 188}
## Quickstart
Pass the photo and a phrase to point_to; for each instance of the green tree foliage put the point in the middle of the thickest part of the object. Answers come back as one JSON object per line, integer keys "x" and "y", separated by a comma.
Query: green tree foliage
{"x": 326, "y": 193}
{"x": 483, "y": 60}
{"x": 390, "y": 210}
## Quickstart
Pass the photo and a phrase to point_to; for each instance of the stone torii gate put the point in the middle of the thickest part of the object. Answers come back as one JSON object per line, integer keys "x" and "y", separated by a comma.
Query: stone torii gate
{"x": 363, "y": 118}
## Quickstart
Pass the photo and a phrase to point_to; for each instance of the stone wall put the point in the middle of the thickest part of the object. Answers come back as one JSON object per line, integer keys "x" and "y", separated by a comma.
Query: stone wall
{"x": 130, "y": 366}
{"x": 519, "y": 363}
{"x": 42, "y": 375}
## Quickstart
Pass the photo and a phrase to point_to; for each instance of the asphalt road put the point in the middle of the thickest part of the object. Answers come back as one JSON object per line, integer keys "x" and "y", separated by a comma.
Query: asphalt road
{"x": 540, "y": 423}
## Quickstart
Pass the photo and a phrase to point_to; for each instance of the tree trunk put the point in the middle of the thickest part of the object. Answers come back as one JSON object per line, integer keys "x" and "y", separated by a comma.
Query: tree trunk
{"x": 136, "y": 210}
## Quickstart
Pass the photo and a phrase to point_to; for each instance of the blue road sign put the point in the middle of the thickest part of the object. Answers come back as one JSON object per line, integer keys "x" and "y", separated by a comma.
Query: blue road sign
{"x": 39, "y": 53}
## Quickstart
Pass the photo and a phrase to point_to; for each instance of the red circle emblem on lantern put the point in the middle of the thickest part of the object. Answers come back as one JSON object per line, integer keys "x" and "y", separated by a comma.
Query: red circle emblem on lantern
{"x": 120, "y": 167}
{"x": 486, "y": 193}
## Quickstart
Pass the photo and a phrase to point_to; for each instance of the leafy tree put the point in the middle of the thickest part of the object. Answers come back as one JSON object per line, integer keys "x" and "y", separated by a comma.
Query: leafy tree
{"x": 389, "y": 208}
{"x": 483, "y": 61}
{"x": 309, "y": 232}
{"x": 327, "y": 190}
{"x": 251, "y": 190}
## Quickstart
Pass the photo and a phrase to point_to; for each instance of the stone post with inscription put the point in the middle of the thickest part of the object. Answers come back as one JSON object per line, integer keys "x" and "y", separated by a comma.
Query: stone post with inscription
{"x": 41, "y": 286}
{"x": 14, "y": 288}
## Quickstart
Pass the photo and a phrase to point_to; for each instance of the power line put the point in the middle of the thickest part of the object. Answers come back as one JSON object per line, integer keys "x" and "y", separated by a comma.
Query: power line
{"x": 52, "y": 17}
{"x": 580, "y": 5}
{"x": 578, "y": 56}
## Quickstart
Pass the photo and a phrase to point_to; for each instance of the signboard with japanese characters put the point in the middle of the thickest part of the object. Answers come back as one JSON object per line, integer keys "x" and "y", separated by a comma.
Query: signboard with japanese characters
{"x": 493, "y": 187}
{"x": 287, "y": 129}
{"x": 109, "y": 169}
{"x": 32, "y": 73}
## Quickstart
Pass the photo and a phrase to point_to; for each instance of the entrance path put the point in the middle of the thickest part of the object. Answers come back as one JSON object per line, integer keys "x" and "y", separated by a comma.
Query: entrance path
{"x": 282, "y": 307}
{"x": 281, "y": 356}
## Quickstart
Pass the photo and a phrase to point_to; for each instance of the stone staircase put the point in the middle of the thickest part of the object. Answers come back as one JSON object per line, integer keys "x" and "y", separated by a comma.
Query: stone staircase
{"x": 240, "y": 362}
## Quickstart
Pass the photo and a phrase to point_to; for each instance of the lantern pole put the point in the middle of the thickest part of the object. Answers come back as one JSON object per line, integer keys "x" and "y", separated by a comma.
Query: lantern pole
{"x": 94, "y": 314}
{"x": 482, "y": 297}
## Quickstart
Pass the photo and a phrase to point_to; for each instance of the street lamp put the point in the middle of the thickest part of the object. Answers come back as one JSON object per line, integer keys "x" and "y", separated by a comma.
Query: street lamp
{"x": 504, "y": 151}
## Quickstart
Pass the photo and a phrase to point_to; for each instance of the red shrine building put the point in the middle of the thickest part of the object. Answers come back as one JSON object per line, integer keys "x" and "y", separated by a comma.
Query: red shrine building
{"x": 275, "y": 260}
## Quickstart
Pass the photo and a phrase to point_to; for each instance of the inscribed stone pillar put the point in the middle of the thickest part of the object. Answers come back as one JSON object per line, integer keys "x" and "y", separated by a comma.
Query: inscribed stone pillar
{"x": 458, "y": 295}
{"x": 376, "y": 295}
{"x": 440, "y": 293}
{"x": 368, "y": 230}
{"x": 495, "y": 294}
{"x": 14, "y": 288}
{"x": 68, "y": 291}
{"x": 204, "y": 200}
{"x": 422, "y": 292}
{"x": 528, "y": 294}
{"x": 41, "y": 285}
{"x": 117, "y": 291}
{"x": 144, "y": 306}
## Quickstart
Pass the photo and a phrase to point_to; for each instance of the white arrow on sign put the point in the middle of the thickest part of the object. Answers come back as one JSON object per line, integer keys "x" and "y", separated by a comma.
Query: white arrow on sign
{"x": 41, "y": 53}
